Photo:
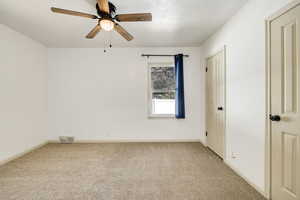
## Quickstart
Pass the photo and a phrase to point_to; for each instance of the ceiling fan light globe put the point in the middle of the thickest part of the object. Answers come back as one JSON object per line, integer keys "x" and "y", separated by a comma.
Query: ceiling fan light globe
{"x": 107, "y": 25}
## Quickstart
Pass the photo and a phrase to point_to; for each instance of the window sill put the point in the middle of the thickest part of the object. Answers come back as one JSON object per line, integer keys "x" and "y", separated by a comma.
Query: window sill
{"x": 153, "y": 116}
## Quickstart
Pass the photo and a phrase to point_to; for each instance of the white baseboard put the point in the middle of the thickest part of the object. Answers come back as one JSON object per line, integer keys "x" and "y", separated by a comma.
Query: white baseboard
{"x": 130, "y": 141}
{"x": 3, "y": 162}
{"x": 246, "y": 179}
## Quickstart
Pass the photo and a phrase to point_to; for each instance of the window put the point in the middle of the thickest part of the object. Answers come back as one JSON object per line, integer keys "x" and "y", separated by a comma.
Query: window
{"x": 162, "y": 90}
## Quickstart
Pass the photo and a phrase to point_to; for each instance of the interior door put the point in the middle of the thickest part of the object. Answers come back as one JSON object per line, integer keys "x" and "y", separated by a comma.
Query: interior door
{"x": 285, "y": 102}
{"x": 215, "y": 102}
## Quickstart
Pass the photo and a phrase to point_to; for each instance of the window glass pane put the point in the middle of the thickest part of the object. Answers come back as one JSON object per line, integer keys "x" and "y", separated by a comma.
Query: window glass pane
{"x": 163, "y": 78}
{"x": 162, "y": 89}
{"x": 163, "y": 102}
{"x": 163, "y": 106}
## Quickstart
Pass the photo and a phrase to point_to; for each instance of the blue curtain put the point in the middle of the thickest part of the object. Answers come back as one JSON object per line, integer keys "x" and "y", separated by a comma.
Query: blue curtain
{"x": 179, "y": 96}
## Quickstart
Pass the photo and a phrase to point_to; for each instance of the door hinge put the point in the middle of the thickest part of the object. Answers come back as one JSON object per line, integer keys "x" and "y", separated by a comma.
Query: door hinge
{"x": 206, "y": 133}
{"x": 206, "y": 69}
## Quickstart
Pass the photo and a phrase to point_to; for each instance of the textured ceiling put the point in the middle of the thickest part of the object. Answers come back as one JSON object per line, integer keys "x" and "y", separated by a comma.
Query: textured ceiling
{"x": 175, "y": 23}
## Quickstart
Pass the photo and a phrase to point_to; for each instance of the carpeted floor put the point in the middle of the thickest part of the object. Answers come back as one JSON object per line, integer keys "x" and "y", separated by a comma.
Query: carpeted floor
{"x": 126, "y": 171}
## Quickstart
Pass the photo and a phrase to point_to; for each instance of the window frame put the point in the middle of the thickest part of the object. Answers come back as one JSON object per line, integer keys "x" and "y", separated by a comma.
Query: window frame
{"x": 150, "y": 91}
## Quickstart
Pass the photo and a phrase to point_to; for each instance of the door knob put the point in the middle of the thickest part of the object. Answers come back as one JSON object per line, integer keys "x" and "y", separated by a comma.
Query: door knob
{"x": 220, "y": 108}
{"x": 275, "y": 118}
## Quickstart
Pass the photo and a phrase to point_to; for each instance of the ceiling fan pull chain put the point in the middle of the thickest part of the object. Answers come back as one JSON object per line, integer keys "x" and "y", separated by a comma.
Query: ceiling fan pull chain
{"x": 110, "y": 39}
{"x": 104, "y": 47}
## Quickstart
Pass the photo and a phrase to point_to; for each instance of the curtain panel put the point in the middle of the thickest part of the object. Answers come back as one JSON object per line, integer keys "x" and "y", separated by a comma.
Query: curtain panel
{"x": 179, "y": 96}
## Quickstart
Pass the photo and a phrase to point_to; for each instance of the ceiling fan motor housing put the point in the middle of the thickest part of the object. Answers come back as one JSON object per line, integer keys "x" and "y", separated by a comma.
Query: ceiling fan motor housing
{"x": 112, "y": 11}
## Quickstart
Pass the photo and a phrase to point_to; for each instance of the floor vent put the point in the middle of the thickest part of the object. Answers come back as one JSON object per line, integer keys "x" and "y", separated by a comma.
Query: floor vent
{"x": 66, "y": 139}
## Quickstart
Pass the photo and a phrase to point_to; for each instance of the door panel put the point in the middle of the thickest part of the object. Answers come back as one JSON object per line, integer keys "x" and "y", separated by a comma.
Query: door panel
{"x": 285, "y": 90}
{"x": 215, "y": 98}
{"x": 289, "y": 152}
{"x": 290, "y": 77}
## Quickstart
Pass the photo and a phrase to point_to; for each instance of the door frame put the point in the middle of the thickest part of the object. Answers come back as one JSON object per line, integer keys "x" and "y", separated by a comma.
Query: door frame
{"x": 225, "y": 99}
{"x": 268, "y": 166}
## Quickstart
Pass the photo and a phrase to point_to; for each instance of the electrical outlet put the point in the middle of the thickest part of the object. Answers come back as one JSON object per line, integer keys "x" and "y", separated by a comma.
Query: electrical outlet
{"x": 233, "y": 155}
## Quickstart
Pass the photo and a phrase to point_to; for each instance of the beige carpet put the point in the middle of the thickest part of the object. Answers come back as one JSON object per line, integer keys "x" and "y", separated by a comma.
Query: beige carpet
{"x": 133, "y": 171}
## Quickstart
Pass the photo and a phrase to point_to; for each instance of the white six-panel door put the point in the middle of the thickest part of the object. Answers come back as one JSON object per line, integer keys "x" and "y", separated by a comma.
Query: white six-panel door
{"x": 285, "y": 106}
{"x": 215, "y": 102}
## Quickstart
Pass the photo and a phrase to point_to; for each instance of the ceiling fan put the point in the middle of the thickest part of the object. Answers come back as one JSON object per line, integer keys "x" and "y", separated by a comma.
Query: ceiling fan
{"x": 107, "y": 18}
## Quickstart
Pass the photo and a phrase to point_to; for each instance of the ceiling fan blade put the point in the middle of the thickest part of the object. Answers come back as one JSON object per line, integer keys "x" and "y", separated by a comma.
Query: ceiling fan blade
{"x": 94, "y": 32}
{"x": 103, "y": 5}
{"x": 74, "y": 13}
{"x": 123, "y": 32}
{"x": 134, "y": 17}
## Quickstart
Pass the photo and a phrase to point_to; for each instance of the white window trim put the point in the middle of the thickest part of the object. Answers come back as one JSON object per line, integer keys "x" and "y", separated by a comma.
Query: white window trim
{"x": 150, "y": 114}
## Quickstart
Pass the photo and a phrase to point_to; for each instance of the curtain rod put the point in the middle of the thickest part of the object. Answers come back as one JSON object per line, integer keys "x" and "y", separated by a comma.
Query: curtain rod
{"x": 152, "y": 55}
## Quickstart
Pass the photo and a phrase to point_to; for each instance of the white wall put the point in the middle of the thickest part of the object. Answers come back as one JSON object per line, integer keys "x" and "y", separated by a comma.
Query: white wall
{"x": 103, "y": 96}
{"x": 244, "y": 36}
{"x": 23, "y": 93}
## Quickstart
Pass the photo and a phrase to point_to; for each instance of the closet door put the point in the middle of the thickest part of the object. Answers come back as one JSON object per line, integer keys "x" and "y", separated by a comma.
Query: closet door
{"x": 215, "y": 102}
